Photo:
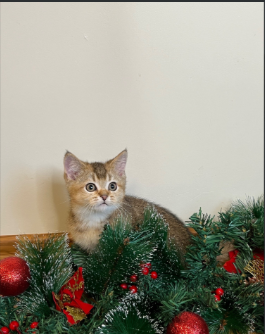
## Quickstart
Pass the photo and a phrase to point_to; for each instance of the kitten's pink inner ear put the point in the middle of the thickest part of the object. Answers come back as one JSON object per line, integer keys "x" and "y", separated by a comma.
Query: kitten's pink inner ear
{"x": 72, "y": 166}
{"x": 120, "y": 162}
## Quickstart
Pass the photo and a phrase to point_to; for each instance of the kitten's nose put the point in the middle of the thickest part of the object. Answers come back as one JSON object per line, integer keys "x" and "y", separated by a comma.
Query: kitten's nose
{"x": 104, "y": 197}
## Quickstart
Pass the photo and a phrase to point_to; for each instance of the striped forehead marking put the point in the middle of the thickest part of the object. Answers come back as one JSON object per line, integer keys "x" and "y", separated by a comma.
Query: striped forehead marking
{"x": 99, "y": 169}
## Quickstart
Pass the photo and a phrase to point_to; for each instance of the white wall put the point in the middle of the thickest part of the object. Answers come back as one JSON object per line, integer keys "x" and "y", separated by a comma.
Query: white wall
{"x": 179, "y": 84}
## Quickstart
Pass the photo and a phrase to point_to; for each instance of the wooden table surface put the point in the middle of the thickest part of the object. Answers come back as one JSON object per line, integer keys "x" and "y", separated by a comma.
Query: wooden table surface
{"x": 7, "y": 242}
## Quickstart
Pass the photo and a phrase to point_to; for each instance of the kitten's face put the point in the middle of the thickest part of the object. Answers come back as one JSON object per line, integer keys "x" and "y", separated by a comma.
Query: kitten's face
{"x": 95, "y": 187}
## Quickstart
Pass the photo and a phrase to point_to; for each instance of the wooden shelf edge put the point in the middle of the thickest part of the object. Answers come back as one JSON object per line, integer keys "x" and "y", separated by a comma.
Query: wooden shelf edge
{"x": 7, "y": 242}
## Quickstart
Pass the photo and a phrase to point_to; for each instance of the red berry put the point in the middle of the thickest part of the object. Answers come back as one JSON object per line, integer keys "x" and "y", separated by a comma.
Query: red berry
{"x": 133, "y": 278}
{"x": 34, "y": 324}
{"x": 133, "y": 288}
{"x": 219, "y": 292}
{"x": 145, "y": 271}
{"x": 4, "y": 330}
{"x": 13, "y": 325}
{"x": 154, "y": 275}
{"x": 124, "y": 286}
{"x": 217, "y": 298}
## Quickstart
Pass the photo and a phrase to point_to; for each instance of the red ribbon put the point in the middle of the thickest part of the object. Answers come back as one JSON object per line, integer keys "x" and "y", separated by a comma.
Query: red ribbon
{"x": 70, "y": 295}
{"x": 229, "y": 265}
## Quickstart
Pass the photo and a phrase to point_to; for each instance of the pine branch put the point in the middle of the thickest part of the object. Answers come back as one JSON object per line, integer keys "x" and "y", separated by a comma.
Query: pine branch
{"x": 167, "y": 260}
{"x": 130, "y": 317}
{"x": 7, "y": 310}
{"x": 225, "y": 322}
{"x": 79, "y": 256}
{"x": 119, "y": 253}
{"x": 173, "y": 301}
{"x": 50, "y": 266}
{"x": 251, "y": 215}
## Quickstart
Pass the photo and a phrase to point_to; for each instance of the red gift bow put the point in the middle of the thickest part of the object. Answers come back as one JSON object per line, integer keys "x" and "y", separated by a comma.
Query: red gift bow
{"x": 229, "y": 265}
{"x": 69, "y": 299}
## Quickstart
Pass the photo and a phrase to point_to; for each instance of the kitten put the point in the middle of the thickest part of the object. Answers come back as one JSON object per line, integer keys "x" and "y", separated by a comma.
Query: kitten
{"x": 97, "y": 196}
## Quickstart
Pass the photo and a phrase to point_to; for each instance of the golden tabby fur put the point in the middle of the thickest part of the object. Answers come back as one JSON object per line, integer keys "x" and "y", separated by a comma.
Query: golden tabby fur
{"x": 97, "y": 196}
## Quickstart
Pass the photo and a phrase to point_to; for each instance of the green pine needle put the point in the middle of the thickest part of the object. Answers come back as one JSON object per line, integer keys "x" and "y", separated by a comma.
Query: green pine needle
{"x": 188, "y": 286}
{"x": 130, "y": 317}
{"x": 50, "y": 266}
{"x": 118, "y": 254}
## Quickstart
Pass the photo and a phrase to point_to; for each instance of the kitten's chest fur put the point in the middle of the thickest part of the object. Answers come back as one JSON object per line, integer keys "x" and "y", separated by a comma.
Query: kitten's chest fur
{"x": 85, "y": 227}
{"x": 91, "y": 219}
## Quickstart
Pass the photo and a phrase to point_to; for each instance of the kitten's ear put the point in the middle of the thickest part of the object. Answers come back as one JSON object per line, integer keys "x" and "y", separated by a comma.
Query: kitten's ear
{"x": 119, "y": 163}
{"x": 72, "y": 166}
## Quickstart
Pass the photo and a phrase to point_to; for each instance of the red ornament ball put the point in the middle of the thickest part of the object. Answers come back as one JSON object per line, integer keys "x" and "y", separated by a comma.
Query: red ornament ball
{"x": 133, "y": 288}
{"x": 133, "y": 278}
{"x": 188, "y": 323}
{"x": 145, "y": 271}
{"x": 14, "y": 276}
{"x": 217, "y": 298}
{"x": 124, "y": 286}
{"x": 219, "y": 292}
{"x": 4, "y": 330}
{"x": 34, "y": 324}
{"x": 154, "y": 275}
{"x": 13, "y": 325}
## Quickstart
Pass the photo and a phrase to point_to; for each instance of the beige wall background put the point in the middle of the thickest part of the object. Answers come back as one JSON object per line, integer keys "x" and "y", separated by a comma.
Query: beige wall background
{"x": 179, "y": 84}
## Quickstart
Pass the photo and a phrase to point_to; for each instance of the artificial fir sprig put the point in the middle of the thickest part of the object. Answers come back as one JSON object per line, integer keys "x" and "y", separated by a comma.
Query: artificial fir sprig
{"x": 172, "y": 301}
{"x": 251, "y": 216}
{"x": 131, "y": 316}
{"x": 7, "y": 310}
{"x": 167, "y": 259}
{"x": 120, "y": 253}
{"x": 239, "y": 310}
{"x": 79, "y": 256}
{"x": 50, "y": 266}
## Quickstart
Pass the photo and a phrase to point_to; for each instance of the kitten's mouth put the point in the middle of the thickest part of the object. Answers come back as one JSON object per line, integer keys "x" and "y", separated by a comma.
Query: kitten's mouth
{"x": 102, "y": 206}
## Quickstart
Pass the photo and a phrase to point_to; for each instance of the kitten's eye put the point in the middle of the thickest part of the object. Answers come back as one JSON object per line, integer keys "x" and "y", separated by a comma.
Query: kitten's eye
{"x": 91, "y": 187}
{"x": 113, "y": 186}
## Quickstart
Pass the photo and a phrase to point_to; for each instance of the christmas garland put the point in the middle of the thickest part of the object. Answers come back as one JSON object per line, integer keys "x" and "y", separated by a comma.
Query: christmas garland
{"x": 137, "y": 282}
